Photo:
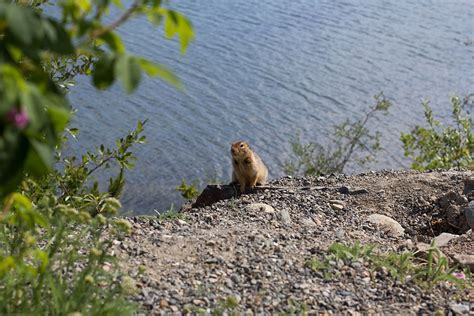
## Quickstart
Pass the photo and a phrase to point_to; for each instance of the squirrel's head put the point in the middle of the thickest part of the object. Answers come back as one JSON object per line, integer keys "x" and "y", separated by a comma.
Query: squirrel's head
{"x": 239, "y": 149}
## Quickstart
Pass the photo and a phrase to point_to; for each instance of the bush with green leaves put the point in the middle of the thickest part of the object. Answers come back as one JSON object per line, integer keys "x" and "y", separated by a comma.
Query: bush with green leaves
{"x": 56, "y": 235}
{"x": 39, "y": 57}
{"x": 353, "y": 142}
{"x": 188, "y": 191}
{"x": 56, "y": 226}
{"x": 442, "y": 147}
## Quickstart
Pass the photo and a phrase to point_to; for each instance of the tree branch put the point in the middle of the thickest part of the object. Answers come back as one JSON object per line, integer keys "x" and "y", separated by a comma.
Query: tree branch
{"x": 119, "y": 21}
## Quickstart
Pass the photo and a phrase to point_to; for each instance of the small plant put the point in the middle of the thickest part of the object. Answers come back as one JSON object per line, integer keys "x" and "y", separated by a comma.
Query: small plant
{"x": 226, "y": 307}
{"x": 403, "y": 266}
{"x": 435, "y": 269}
{"x": 295, "y": 308}
{"x": 188, "y": 192}
{"x": 442, "y": 147}
{"x": 353, "y": 142}
{"x": 56, "y": 235}
{"x": 171, "y": 215}
{"x": 352, "y": 253}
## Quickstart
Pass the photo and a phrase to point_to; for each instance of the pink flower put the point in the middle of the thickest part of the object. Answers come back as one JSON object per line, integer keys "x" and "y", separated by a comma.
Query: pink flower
{"x": 18, "y": 117}
{"x": 459, "y": 275}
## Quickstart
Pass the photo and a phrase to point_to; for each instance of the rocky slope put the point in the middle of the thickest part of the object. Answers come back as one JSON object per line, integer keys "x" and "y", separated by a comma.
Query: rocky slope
{"x": 250, "y": 255}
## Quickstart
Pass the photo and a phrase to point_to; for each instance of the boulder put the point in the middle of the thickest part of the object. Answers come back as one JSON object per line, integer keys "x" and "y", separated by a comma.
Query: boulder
{"x": 387, "y": 224}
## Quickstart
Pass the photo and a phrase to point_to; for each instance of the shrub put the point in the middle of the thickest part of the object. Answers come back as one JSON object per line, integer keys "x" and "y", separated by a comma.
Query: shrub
{"x": 353, "y": 142}
{"x": 442, "y": 147}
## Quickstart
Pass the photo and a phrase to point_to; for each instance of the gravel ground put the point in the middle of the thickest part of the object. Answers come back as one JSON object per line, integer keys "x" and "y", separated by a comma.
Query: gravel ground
{"x": 248, "y": 255}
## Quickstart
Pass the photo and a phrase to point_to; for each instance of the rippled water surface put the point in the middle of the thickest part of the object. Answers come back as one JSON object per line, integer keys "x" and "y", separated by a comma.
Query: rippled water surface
{"x": 264, "y": 70}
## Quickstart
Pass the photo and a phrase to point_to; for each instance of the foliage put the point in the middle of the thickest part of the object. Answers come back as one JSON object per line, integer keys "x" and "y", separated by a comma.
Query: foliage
{"x": 353, "y": 142}
{"x": 188, "y": 192}
{"x": 55, "y": 239}
{"x": 40, "y": 56}
{"x": 172, "y": 215}
{"x": 442, "y": 147}
{"x": 403, "y": 266}
{"x": 225, "y": 306}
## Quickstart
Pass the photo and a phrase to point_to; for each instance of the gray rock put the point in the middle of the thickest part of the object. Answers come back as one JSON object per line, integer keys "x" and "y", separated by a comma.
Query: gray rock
{"x": 468, "y": 185}
{"x": 465, "y": 260}
{"x": 387, "y": 224}
{"x": 260, "y": 207}
{"x": 459, "y": 309}
{"x": 469, "y": 213}
{"x": 284, "y": 216}
{"x": 443, "y": 239}
{"x": 422, "y": 250}
{"x": 307, "y": 222}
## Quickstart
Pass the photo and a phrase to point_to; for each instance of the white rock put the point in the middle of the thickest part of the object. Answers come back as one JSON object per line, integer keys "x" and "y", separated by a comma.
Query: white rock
{"x": 387, "y": 224}
{"x": 260, "y": 207}
{"x": 459, "y": 309}
{"x": 307, "y": 222}
{"x": 443, "y": 239}
{"x": 284, "y": 217}
{"x": 181, "y": 222}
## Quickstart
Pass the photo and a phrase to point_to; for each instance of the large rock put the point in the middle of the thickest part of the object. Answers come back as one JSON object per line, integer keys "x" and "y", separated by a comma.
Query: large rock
{"x": 387, "y": 224}
{"x": 443, "y": 239}
{"x": 466, "y": 260}
{"x": 469, "y": 213}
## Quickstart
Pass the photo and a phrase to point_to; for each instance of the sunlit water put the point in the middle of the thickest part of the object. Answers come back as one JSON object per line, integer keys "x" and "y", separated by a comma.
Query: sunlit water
{"x": 265, "y": 70}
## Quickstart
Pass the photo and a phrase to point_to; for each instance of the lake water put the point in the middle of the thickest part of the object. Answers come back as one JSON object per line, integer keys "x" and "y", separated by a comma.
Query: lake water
{"x": 265, "y": 70}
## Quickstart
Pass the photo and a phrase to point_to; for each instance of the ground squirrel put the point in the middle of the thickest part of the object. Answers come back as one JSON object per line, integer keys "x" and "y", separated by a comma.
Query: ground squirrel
{"x": 248, "y": 169}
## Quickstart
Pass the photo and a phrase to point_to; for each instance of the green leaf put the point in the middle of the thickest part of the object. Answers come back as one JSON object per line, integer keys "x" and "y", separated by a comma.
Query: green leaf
{"x": 103, "y": 74}
{"x": 56, "y": 39}
{"x": 40, "y": 158}
{"x": 128, "y": 71}
{"x": 119, "y": 4}
{"x": 154, "y": 70}
{"x": 176, "y": 23}
{"x": 22, "y": 24}
{"x": 113, "y": 41}
{"x": 59, "y": 117}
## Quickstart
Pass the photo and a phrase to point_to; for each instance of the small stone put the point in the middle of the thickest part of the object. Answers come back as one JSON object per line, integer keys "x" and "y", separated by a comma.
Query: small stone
{"x": 465, "y": 260}
{"x": 340, "y": 234}
{"x": 387, "y": 224}
{"x": 337, "y": 207}
{"x": 307, "y": 222}
{"x": 443, "y": 239}
{"x": 174, "y": 308}
{"x": 284, "y": 217}
{"x": 260, "y": 207}
{"x": 198, "y": 302}
{"x": 181, "y": 222}
{"x": 163, "y": 303}
{"x": 459, "y": 309}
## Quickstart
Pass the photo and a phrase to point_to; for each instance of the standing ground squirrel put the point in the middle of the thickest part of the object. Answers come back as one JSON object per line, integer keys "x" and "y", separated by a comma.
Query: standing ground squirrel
{"x": 248, "y": 169}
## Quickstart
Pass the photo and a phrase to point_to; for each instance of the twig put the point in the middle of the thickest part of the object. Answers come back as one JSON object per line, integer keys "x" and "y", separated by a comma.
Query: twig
{"x": 120, "y": 20}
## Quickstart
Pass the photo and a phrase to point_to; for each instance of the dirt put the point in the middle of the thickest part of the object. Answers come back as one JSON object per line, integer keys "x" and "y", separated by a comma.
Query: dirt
{"x": 248, "y": 258}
